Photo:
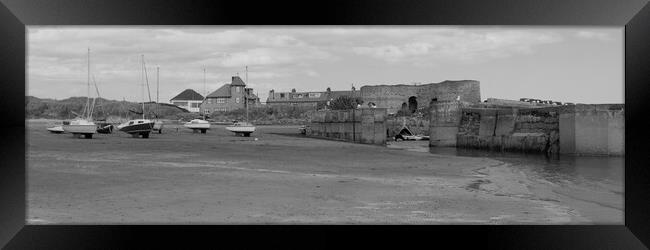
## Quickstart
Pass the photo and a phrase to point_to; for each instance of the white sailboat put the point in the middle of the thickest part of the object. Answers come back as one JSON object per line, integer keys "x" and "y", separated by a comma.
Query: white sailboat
{"x": 142, "y": 126}
{"x": 199, "y": 124}
{"x": 83, "y": 125}
{"x": 244, "y": 128}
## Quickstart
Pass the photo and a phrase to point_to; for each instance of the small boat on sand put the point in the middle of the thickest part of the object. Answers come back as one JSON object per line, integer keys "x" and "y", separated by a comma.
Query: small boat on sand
{"x": 78, "y": 127}
{"x": 241, "y": 128}
{"x": 198, "y": 125}
{"x": 105, "y": 128}
{"x": 405, "y": 134}
{"x": 56, "y": 129}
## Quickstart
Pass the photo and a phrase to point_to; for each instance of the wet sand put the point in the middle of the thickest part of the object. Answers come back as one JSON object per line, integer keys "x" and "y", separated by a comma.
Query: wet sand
{"x": 180, "y": 177}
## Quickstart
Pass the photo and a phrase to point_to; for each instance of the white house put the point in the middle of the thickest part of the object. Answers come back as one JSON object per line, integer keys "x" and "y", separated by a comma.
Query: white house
{"x": 188, "y": 99}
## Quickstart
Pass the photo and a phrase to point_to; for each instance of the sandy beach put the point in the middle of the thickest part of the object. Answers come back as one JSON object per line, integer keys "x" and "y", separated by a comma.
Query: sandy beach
{"x": 277, "y": 176}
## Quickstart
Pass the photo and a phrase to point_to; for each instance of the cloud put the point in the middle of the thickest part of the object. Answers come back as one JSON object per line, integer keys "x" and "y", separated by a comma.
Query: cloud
{"x": 393, "y": 53}
{"x": 284, "y": 57}
{"x": 461, "y": 46}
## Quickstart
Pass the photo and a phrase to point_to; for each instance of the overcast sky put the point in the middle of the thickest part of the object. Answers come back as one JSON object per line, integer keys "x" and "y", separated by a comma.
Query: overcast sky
{"x": 569, "y": 64}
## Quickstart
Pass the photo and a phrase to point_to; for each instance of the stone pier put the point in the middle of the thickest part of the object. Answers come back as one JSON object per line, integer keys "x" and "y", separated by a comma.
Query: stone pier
{"x": 360, "y": 125}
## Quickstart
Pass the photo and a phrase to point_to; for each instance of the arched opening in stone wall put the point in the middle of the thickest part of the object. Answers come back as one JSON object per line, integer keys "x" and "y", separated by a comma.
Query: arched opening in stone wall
{"x": 404, "y": 106}
{"x": 413, "y": 104}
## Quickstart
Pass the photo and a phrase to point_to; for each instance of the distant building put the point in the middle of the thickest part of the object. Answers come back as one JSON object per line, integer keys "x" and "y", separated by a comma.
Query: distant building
{"x": 392, "y": 97}
{"x": 230, "y": 96}
{"x": 309, "y": 99}
{"x": 188, "y": 99}
{"x": 412, "y": 97}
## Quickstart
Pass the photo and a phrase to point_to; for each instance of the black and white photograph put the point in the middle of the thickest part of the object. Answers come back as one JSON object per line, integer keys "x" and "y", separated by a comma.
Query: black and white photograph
{"x": 424, "y": 125}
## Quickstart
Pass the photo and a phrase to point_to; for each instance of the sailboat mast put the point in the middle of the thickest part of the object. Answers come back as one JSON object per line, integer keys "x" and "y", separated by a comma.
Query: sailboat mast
{"x": 87, "y": 109}
{"x": 157, "y": 87}
{"x": 246, "y": 95}
{"x": 142, "y": 78}
{"x": 204, "y": 90}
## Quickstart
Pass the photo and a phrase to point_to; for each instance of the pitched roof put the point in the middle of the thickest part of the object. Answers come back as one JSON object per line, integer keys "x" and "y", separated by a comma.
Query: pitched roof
{"x": 224, "y": 91}
{"x": 237, "y": 81}
{"x": 188, "y": 94}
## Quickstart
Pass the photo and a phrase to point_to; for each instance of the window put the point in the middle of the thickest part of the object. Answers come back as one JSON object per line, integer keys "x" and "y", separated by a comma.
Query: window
{"x": 314, "y": 95}
{"x": 180, "y": 104}
{"x": 221, "y": 100}
{"x": 237, "y": 100}
{"x": 281, "y": 95}
{"x": 206, "y": 111}
{"x": 195, "y": 105}
{"x": 238, "y": 89}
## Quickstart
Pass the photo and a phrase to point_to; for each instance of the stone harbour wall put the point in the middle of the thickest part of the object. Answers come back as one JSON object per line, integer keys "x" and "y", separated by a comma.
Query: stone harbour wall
{"x": 366, "y": 126}
{"x": 509, "y": 129}
{"x": 592, "y": 129}
{"x": 583, "y": 129}
{"x": 445, "y": 122}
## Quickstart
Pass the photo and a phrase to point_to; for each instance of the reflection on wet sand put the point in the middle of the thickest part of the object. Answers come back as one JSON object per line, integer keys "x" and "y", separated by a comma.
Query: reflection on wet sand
{"x": 592, "y": 185}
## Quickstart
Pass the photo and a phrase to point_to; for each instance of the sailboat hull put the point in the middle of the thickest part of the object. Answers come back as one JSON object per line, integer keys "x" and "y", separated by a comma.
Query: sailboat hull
{"x": 197, "y": 126}
{"x": 56, "y": 129}
{"x": 137, "y": 128}
{"x": 80, "y": 129}
{"x": 105, "y": 128}
{"x": 241, "y": 129}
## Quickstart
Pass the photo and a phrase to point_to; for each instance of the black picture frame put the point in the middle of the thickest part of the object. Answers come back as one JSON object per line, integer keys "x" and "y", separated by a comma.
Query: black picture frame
{"x": 634, "y": 15}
